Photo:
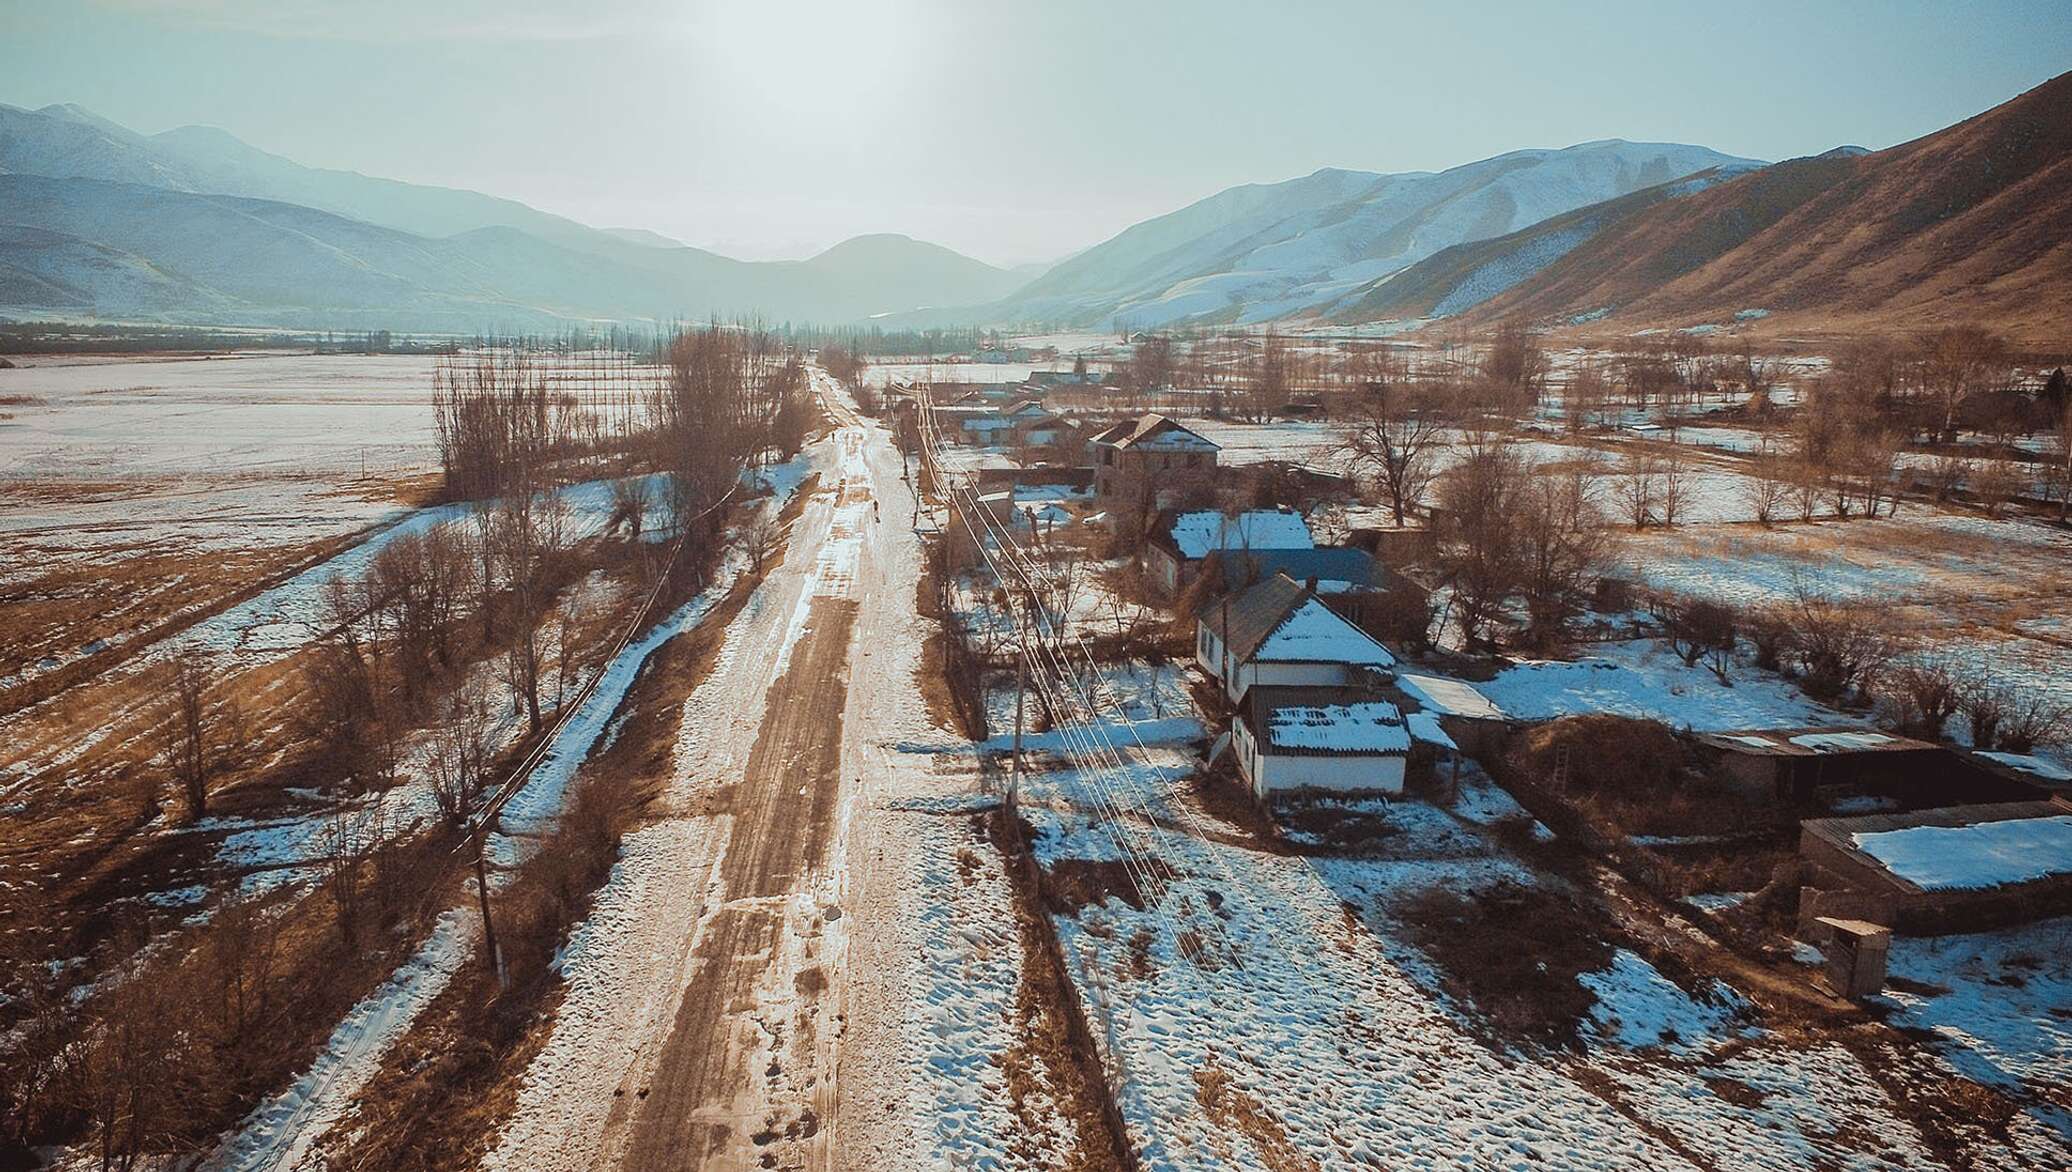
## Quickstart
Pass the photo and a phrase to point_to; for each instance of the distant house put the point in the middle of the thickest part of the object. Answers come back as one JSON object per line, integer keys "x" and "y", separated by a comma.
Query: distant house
{"x": 1043, "y": 430}
{"x": 1298, "y": 741}
{"x": 1954, "y": 869}
{"x": 1140, "y": 462}
{"x": 974, "y": 425}
{"x": 1050, "y": 379}
{"x": 1278, "y": 633}
{"x": 1179, "y": 541}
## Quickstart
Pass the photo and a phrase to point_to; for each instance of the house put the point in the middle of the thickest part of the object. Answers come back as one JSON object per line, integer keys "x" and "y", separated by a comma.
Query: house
{"x": 1180, "y": 540}
{"x": 973, "y": 425}
{"x": 1329, "y": 569}
{"x": 1139, "y": 462}
{"x": 1954, "y": 869}
{"x": 1278, "y": 634}
{"x": 1043, "y": 430}
{"x": 1293, "y": 741}
{"x": 1836, "y": 767}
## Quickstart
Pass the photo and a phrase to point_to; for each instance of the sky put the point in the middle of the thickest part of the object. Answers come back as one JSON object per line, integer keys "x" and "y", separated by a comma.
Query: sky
{"x": 1013, "y": 132}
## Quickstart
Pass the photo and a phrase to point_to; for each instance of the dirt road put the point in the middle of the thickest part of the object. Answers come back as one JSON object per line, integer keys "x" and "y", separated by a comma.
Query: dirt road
{"x": 704, "y": 1016}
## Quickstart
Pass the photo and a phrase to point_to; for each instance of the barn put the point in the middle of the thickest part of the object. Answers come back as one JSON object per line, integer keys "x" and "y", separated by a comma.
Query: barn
{"x": 1955, "y": 869}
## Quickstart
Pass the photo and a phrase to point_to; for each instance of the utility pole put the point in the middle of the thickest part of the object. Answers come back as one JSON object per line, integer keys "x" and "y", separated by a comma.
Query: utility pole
{"x": 1021, "y": 690}
{"x": 491, "y": 952}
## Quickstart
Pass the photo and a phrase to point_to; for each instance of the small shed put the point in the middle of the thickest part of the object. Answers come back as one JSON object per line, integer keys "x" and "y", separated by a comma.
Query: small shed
{"x": 1306, "y": 741}
{"x": 1470, "y": 719}
{"x": 1954, "y": 869}
{"x": 1823, "y": 766}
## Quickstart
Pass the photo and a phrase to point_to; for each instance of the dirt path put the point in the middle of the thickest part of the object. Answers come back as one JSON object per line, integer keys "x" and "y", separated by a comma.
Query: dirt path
{"x": 703, "y": 1021}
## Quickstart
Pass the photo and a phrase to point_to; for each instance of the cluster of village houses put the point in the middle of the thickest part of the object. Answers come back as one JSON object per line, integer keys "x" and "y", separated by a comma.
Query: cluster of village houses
{"x": 1903, "y": 834}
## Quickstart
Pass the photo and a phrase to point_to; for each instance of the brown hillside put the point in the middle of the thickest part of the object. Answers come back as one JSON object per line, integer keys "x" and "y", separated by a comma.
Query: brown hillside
{"x": 1971, "y": 223}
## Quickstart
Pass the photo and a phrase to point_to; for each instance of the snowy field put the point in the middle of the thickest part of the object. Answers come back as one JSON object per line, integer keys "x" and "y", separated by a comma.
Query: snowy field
{"x": 1269, "y": 1012}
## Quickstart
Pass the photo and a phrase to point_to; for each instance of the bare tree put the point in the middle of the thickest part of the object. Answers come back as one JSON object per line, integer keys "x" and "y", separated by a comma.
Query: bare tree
{"x": 1515, "y": 365}
{"x": 760, "y": 538}
{"x": 1397, "y": 442}
{"x": 1638, "y": 487}
{"x": 1769, "y": 487}
{"x": 1480, "y": 550}
{"x": 1561, "y": 550}
{"x": 1584, "y": 399}
{"x": 1955, "y": 362}
{"x": 1675, "y": 486}
{"x": 189, "y": 745}
{"x": 458, "y": 761}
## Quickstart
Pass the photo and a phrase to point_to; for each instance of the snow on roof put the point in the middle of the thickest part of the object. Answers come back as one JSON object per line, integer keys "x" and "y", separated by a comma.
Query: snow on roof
{"x": 1313, "y": 633}
{"x": 2042, "y": 767}
{"x": 1154, "y": 431}
{"x": 1976, "y": 856}
{"x": 1368, "y": 726}
{"x": 1450, "y": 697}
{"x": 1199, "y": 533}
{"x": 1424, "y": 726}
{"x": 1844, "y": 741}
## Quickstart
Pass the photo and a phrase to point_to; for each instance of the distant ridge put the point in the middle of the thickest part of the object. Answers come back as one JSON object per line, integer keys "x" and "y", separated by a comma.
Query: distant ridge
{"x": 194, "y": 225}
{"x": 1971, "y": 223}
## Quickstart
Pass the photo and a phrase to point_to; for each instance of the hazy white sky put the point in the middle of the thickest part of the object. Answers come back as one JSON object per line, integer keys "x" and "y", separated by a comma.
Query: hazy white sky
{"x": 1012, "y": 132}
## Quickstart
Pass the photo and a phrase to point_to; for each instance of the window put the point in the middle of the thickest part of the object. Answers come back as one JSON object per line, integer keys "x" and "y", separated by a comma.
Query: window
{"x": 1108, "y": 456}
{"x": 1194, "y": 459}
{"x": 1165, "y": 461}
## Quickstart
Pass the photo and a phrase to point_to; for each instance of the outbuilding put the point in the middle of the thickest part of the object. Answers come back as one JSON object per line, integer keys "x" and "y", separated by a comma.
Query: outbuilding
{"x": 1954, "y": 869}
{"x": 1292, "y": 742}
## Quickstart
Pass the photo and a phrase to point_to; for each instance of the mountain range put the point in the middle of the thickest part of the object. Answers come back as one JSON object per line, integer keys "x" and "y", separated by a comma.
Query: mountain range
{"x": 1306, "y": 247}
{"x": 1973, "y": 222}
{"x": 195, "y": 225}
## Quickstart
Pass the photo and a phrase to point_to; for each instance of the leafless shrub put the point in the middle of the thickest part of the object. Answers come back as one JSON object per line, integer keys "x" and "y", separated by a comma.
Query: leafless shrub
{"x": 1920, "y": 697}
{"x": 1696, "y": 630}
{"x": 1840, "y": 647}
{"x": 1994, "y": 483}
{"x": 2009, "y": 719}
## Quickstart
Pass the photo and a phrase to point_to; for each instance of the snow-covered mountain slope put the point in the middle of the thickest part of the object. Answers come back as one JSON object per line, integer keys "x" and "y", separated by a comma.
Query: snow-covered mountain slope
{"x": 1456, "y": 279}
{"x": 1307, "y": 246}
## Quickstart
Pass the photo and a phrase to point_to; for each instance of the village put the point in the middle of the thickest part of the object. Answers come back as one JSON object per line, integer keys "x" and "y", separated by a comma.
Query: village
{"x": 1191, "y": 646}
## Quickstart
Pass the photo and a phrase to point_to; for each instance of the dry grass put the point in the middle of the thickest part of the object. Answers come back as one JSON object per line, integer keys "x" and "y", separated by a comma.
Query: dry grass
{"x": 1234, "y": 1109}
{"x": 1514, "y": 953}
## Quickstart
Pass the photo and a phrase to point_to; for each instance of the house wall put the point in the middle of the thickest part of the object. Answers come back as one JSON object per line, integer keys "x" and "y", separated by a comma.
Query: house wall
{"x": 1163, "y": 567}
{"x": 1279, "y": 774}
{"x": 1249, "y": 675}
{"x": 1208, "y": 650}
